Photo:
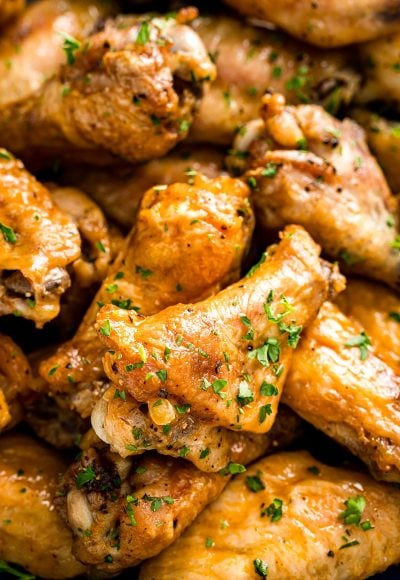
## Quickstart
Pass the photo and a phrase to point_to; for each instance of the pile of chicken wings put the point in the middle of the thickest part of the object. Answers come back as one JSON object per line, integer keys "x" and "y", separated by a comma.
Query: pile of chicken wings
{"x": 199, "y": 289}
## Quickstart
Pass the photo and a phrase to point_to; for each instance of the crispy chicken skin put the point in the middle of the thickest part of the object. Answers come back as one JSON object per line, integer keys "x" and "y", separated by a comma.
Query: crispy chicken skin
{"x": 251, "y": 60}
{"x": 334, "y": 188}
{"x": 236, "y": 536}
{"x": 327, "y": 23}
{"x": 225, "y": 359}
{"x": 128, "y": 91}
{"x": 32, "y": 533}
{"x": 117, "y": 507}
{"x": 15, "y": 379}
{"x": 31, "y": 47}
{"x": 37, "y": 243}
{"x": 383, "y": 137}
{"x": 9, "y": 9}
{"x": 188, "y": 243}
{"x": 378, "y": 310}
{"x": 119, "y": 192}
{"x": 338, "y": 384}
{"x": 380, "y": 61}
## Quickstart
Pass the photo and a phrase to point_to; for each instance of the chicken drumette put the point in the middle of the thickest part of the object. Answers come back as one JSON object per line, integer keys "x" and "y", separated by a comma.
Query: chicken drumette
{"x": 307, "y": 167}
{"x": 128, "y": 90}
{"x": 289, "y": 516}
{"x": 338, "y": 383}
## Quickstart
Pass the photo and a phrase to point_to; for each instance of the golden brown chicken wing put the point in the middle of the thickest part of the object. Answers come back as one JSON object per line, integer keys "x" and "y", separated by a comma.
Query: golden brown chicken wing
{"x": 15, "y": 380}
{"x": 223, "y": 360}
{"x": 381, "y": 66}
{"x": 383, "y": 137}
{"x": 312, "y": 169}
{"x": 9, "y": 9}
{"x": 31, "y": 48}
{"x": 131, "y": 428}
{"x": 327, "y": 23}
{"x": 119, "y": 192}
{"x": 251, "y": 60}
{"x": 123, "y": 512}
{"x": 37, "y": 243}
{"x": 188, "y": 242}
{"x": 32, "y": 534}
{"x": 128, "y": 91}
{"x": 289, "y": 516}
{"x": 378, "y": 311}
{"x": 337, "y": 383}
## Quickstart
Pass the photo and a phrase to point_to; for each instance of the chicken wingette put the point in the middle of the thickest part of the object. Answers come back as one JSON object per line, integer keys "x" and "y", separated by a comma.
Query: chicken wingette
{"x": 327, "y": 23}
{"x": 37, "y": 244}
{"x": 383, "y": 137}
{"x": 124, "y": 511}
{"x": 31, "y": 48}
{"x": 251, "y": 60}
{"x": 15, "y": 381}
{"x": 223, "y": 360}
{"x": 128, "y": 91}
{"x": 119, "y": 192}
{"x": 9, "y": 9}
{"x": 308, "y": 168}
{"x": 188, "y": 243}
{"x": 32, "y": 533}
{"x": 289, "y": 517}
{"x": 378, "y": 311}
{"x": 131, "y": 428}
{"x": 338, "y": 384}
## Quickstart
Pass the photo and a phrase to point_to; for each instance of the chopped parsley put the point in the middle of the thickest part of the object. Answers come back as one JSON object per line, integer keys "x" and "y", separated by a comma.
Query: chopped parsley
{"x": 256, "y": 266}
{"x": 268, "y": 390}
{"x": 269, "y": 352}
{"x": 8, "y": 234}
{"x": 254, "y": 483}
{"x": 143, "y": 272}
{"x": 263, "y": 412}
{"x": 84, "y": 477}
{"x": 105, "y": 330}
{"x": 162, "y": 375}
{"x": 182, "y": 409}
{"x": 143, "y": 35}
{"x": 314, "y": 470}
{"x": 353, "y": 512}
{"x": 260, "y": 567}
{"x": 232, "y": 469}
{"x": 270, "y": 170}
{"x": 217, "y": 387}
{"x": 100, "y": 247}
{"x": 245, "y": 394}
{"x": 247, "y": 322}
{"x": 7, "y": 569}
{"x": 395, "y": 316}
{"x": 204, "y": 453}
{"x": 119, "y": 395}
{"x": 70, "y": 46}
{"x": 210, "y": 543}
{"x": 362, "y": 341}
{"x": 274, "y": 510}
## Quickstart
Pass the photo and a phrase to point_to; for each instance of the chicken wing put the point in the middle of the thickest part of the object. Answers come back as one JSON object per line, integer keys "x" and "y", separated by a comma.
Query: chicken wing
{"x": 381, "y": 65}
{"x": 15, "y": 380}
{"x": 9, "y": 9}
{"x": 37, "y": 243}
{"x": 128, "y": 91}
{"x": 223, "y": 360}
{"x": 289, "y": 516}
{"x": 337, "y": 383}
{"x": 119, "y": 192}
{"x": 383, "y": 137}
{"x": 123, "y": 512}
{"x": 327, "y": 23}
{"x": 378, "y": 311}
{"x": 131, "y": 428}
{"x": 251, "y": 60}
{"x": 32, "y": 534}
{"x": 31, "y": 47}
{"x": 312, "y": 169}
{"x": 188, "y": 242}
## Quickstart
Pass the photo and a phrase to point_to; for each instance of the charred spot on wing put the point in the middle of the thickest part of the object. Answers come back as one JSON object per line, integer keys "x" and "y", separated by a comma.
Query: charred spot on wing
{"x": 391, "y": 13}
